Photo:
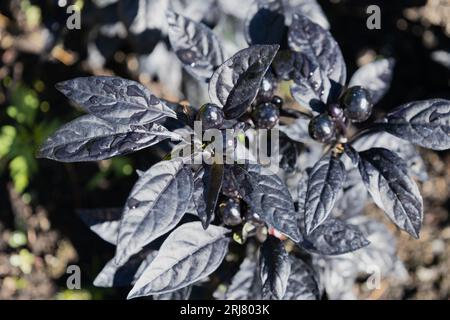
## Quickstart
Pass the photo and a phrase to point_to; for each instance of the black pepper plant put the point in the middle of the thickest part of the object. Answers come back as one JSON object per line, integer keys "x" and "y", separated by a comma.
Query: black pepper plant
{"x": 125, "y": 117}
{"x": 179, "y": 219}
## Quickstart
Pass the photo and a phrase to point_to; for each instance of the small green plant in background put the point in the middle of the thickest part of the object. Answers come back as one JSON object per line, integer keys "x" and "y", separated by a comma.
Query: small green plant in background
{"x": 22, "y": 131}
{"x": 110, "y": 170}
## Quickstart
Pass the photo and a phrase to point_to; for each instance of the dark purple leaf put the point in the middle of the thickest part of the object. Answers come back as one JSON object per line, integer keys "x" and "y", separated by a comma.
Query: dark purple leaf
{"x": 189, "y": 254}
{"x": 196, "y": 10}
{"x": 318, "y": 50}
{"x": 195, "y": 45}
{"x": 311, "y": 85}
{"x": 316, "y": 43}
{"x": 275, "y": 268}
{"x": 289, "y": 152}
{"x": 302, "y": 282}
{"x": 156, "y": 204}
{"x": 115, "y": 100}
{"x": 406, "y": 150}
{"x": 145, "y": 21}
{"x": 207, "y": 185}
{"x": 352, "y": 154}
{"x": 325, "y": 182}
{"x": 235, "y": 84}
{"x": 335, "y": 237}
{"x": 302, "y": 190}
{"x": 310, "y": 9}
{"x": 298, "y": 130}
{"x": 267, "y": 196}
{"x": 425, "y": 123}
{"x": 382, "y": 251}
{"x": 140, "y": 15}
{"x": 386, "y": 177}
{"x": 267, "y": 20}
{"x": 89, "y": 138}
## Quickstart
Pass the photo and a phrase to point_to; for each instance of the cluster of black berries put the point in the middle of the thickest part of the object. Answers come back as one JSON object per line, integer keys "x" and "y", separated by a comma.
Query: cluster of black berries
{"x": 265, "y": 113}
{"x": 267, "y": 106}
{"x": 355, "y": 106}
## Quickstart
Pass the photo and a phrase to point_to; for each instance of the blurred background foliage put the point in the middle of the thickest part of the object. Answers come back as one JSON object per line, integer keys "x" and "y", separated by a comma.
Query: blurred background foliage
{"x": 40, "y": 233}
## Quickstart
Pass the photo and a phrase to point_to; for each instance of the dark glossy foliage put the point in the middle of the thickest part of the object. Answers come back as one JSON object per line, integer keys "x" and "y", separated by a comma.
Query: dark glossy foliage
{"x": 115, "y": 100}
{"x": 320, "y": 67}
{"x": 319, "y": 79}
{"x": 234, "y": 85}
{"x": 275, "y": 268}
{"x": 268, "y": 197}
{"x": 386, "y": 177}
{"x": 195, "y": 45}
{"x": 325, "y": 182}
{"x": 335, "y": 237}
{"x": 207, "y": 184}
{"x": 302, "y": 282}
{"x": 425, "y": 123}
{"x": 89, "y": 138}
{"x": 299, "y": 224}
{"x": 188, "y": 255}
{"x": 316, "y": 44}
{"x": 156, "y": 204}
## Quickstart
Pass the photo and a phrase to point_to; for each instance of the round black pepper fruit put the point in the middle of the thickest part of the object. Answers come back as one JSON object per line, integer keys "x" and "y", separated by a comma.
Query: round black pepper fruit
{"x": 211, "y": 116}
{"x": 266, "y": 115}
{"x": 231, "y": 213}
{"x": 278, "y": 101}
{"x": 322, "y": 128}
{"x": 357, "y": 104}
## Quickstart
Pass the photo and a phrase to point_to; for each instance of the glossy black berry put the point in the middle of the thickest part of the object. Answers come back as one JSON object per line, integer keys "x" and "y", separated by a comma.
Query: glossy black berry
{"x": 278, "y": 101}
{"x": 231, "y": 213}
{"x": 322, "y": 128}
{"x": 211, "y": 116}
{"x": 357, "y": 104}
{"x": 266, "y": 115}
